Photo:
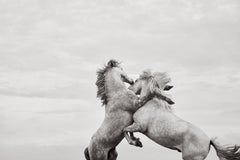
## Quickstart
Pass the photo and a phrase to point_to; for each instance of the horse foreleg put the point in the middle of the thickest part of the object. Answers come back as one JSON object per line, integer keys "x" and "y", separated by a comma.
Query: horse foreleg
{"x": 135, "y": 127}
{"x": 132, "y": 136}
{"x": 131, "y": 139}
{"x": 128, "y": 138}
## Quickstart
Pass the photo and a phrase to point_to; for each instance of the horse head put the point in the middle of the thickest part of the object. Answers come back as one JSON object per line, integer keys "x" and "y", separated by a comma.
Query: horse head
{"x": 148, "y": 82}
{"x": 110, "y": 79}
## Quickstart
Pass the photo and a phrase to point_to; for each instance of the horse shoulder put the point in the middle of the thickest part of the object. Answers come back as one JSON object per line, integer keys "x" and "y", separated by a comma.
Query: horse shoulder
{"x": 144, "y": 115}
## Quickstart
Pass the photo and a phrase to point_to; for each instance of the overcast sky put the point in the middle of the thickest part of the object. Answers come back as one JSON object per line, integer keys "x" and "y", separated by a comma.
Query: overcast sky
{"x": 50, "y": 51}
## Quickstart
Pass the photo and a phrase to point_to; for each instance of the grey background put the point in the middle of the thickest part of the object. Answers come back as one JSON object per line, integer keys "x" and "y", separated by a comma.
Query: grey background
{"x": 50, "y": 50}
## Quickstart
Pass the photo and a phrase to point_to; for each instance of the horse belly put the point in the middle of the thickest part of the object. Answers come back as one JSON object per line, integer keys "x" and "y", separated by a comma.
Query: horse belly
{"x": 167, "y": 131}
{"x": 165, "y": 140}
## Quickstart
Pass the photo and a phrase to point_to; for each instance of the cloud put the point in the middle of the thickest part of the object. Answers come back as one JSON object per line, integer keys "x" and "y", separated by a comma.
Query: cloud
{"x": 43, "y": 121}
{"x": 230, "y": 138}
{"x": 38, "y": 83}
{"x": 53, "y": 48}
{"x": 203, "y": 33}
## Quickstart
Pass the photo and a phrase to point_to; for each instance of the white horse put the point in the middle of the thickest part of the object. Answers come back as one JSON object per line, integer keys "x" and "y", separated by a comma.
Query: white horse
{"x": 120, "y": 104}
{"x": 157, "y": 121}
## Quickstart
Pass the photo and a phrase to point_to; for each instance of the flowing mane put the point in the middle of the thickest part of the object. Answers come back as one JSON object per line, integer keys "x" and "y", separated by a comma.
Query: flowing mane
{"x": 157, "y": 80}
{"x": 160, "y": 78}
{"x": 100, "y": 83}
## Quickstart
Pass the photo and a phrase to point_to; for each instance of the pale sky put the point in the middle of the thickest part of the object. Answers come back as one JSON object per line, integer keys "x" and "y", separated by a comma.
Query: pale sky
{"x": 50, "y": 51}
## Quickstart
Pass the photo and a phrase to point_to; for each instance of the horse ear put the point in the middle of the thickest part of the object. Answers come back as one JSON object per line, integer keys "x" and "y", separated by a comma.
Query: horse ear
{"x": 167, "y": 88}
{"x": 112, "y": 63}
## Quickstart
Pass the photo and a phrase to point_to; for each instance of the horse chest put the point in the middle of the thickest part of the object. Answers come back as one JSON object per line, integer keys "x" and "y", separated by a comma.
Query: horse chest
{"x": 164, "y": 136}
{"x": 124, "y": 101}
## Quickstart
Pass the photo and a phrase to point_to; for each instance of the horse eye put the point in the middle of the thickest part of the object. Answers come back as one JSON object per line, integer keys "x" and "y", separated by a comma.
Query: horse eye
{"x": 136, "y": 80}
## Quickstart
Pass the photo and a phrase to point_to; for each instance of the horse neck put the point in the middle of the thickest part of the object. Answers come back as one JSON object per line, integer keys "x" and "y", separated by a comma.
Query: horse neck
{"x": 114, "y": 84}
{"x": 160, "y": 104}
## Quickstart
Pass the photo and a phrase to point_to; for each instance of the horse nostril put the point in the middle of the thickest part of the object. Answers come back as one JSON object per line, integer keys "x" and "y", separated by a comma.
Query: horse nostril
{"x": 132, "y": 82}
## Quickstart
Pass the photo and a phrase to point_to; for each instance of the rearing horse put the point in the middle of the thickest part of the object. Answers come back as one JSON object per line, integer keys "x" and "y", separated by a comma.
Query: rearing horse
{"x": 157, "y": 121}
{"x": 120, "y": 104}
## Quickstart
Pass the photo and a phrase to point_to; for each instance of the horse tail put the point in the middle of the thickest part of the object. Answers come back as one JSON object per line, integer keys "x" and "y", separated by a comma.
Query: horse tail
{"x": 226, "y": 152}
{"x": 86, "y": 154}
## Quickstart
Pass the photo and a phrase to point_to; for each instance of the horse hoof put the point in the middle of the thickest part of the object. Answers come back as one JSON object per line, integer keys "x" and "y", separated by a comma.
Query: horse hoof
{"x": 172, "y": 102}
{"x": 138, "y": 143}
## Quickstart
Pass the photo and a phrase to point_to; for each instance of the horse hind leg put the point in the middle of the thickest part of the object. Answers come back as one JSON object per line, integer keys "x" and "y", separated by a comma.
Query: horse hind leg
{"x": 86, "y": 154}
{"x": 112, "y": 154}
{"x": 195, "y": 158}
{"x": 97, "y": 154}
